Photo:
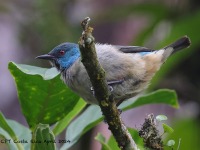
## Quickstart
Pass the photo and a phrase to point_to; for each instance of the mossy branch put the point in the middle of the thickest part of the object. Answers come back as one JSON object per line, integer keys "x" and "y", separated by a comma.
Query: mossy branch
{"x": 102, "y": 93}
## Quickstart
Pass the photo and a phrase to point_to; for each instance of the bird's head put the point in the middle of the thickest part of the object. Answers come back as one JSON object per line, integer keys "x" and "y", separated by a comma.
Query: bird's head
{"x": 62, "y": 56}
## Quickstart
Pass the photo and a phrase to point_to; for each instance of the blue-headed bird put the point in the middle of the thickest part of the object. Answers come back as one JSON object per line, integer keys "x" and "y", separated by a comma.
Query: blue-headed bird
{"x": 128, "y": 69}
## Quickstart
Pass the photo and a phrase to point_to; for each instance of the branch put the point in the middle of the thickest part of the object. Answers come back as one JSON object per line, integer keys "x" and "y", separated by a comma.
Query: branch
{"x": 102, "y": 93}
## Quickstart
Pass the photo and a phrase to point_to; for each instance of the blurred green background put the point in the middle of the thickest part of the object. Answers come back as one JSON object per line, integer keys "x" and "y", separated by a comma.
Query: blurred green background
{"x": 30, "y": 28}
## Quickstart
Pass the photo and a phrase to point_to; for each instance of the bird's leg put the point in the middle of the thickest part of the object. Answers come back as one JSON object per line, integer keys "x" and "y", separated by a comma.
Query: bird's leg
{"x": 119, "y": 102}
{"x": 115, "y": 82}
{"x": 110, "y": 83}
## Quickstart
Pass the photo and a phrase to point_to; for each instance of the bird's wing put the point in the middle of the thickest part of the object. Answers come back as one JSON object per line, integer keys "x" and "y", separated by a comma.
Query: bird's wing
{"x": 133, "y": 49}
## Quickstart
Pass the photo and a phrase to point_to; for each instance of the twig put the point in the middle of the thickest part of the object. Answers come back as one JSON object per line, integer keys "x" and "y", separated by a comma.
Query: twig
{"x": 102, "y": 93}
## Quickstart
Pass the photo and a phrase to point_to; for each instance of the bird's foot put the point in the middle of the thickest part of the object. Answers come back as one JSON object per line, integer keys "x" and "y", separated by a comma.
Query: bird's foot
{"x": 110, "y": 88}
{"x": 120, "y": 111}
{"x": 110, "y": 83}
{"x": 92, "y": 90}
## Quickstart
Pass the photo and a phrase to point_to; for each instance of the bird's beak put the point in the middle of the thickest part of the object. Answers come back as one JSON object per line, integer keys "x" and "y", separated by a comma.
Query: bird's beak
{"x": 46, "y": 56}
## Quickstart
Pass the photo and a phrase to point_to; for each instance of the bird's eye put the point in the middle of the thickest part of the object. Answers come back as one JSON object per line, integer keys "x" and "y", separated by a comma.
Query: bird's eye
{"x": 61, "y": 52}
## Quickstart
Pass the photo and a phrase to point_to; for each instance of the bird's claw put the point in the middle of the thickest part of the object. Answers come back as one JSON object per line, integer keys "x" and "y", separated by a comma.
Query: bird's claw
{"x": 110, "y": 83}
{"x": 92, "y": 90}
{"x": 120, "y": 111}
{"x": 110, "y": 88}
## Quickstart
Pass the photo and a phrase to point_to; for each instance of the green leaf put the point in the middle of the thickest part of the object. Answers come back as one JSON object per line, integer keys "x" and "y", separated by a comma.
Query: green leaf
{"x": 102, "y": 140}
{"x": 170, "y": 143}
{"x": 167, "y": 129}
{"x": 4, "y": 125}
{"x": 112, "y": 143}
{"x": 186, "y": 128}
{"x": 163, "y": 96}
{"x": 92, "y": 116}
{"x": 45, "y": 73}
{"x": 161, "y": 117}
{"x": 7, "y": 139}
{"x": 7, "y": 132}
{"x": 62, "y": 124}
{"x": 22, "y": 132}
{"x": 42, "y": 101}
{"x": 135, "y": 135}
{"x": 43, "y": 138}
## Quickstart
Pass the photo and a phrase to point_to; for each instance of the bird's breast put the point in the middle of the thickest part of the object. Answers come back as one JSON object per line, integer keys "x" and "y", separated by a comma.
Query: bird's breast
{"x": 76, "y": 78}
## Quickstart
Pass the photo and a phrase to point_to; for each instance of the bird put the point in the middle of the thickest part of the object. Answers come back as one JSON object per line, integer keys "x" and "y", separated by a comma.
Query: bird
{"x": 128, "y": 69}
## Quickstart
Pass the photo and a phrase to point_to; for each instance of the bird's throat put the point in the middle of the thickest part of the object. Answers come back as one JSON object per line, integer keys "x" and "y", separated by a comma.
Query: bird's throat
{"x": 67, "y": 62}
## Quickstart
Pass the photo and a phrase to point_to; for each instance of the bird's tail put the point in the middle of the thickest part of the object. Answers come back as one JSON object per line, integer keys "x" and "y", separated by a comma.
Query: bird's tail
{"x": 181, "y": 43}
